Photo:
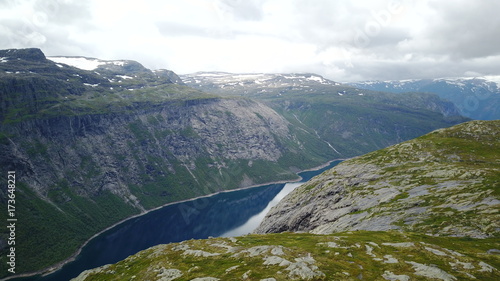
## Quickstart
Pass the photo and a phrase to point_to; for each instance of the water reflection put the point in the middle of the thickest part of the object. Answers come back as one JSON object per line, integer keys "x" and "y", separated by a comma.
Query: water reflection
{"x": 252, "y": 223}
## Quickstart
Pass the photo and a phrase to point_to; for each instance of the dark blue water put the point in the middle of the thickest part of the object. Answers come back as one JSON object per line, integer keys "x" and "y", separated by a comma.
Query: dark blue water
{"x": 226, "y": 214}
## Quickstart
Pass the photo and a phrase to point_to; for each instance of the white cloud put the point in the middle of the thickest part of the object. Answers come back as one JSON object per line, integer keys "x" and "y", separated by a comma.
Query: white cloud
{"x": 343, "y": 40}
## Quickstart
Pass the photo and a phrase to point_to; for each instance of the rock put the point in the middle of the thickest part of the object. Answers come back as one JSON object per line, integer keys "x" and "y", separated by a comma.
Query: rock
{"x": 232, "y": 268}
{"x": 275, "y": 260}
{"x": 169, "y": 274}
{"x": 86, "y": 273}
{"x": 400, "y": 245}
{"x": 200, "y": 253}
{"x": 390, "y": 259}
{"x": 486, "y": 267}
{"x": 431, "y": 272}
{"x": 388, "y": 275}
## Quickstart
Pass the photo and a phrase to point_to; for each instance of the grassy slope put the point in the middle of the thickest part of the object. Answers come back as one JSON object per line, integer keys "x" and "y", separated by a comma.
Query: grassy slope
{"x": 342, "y": 256}
{"x": 467, "y": 155}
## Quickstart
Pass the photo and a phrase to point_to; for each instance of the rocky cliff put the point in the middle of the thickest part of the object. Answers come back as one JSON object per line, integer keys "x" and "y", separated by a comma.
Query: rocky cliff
{"x": 445, "y": 183}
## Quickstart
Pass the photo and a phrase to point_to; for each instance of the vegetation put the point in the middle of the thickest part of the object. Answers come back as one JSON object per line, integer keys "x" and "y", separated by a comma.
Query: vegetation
{"x": 341, "y": 256}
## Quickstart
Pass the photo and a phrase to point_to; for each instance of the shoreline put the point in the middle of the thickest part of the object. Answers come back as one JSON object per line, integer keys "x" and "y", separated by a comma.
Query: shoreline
{"x": 56, "y": 267}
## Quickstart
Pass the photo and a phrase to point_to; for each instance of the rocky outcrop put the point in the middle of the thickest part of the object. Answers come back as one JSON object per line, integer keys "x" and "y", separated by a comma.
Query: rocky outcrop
{"x": 442, "y": 184}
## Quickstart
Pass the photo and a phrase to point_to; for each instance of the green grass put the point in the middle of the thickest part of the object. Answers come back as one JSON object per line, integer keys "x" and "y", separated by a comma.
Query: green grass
{"x": 345, "y": 261}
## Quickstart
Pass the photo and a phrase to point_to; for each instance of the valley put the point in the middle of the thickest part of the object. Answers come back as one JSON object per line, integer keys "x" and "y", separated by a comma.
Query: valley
{"x": 94, "y": 142}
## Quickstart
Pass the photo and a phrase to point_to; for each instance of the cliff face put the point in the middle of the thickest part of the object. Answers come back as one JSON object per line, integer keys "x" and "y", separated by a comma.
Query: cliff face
{"x": 136, "y": 148}
{"x": 444, "y": 183}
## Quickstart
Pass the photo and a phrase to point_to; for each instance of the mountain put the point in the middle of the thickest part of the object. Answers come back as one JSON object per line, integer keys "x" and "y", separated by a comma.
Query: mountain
{"x": 425, "y": 209}
{"x": 445, "y": 183}
{"x": 477, "y": 98}
{"x": 350, "y": 120}
{"x": 93, "y": 142}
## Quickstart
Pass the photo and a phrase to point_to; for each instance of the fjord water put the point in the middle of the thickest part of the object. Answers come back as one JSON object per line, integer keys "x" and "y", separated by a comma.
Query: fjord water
{"x": 226, "y": 214}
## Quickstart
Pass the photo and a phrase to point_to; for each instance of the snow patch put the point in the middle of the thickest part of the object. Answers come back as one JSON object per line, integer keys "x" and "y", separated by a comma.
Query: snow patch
{"x": 3, "y": 59}
{"x": 84, "y": 63}
{"x": 124, "y": 77}
{"x": 78, "y": 62}
{"x": 494, "y": 79}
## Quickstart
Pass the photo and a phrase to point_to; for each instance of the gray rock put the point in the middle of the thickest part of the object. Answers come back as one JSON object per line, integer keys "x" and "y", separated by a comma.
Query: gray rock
{"x": 169, "y": 274}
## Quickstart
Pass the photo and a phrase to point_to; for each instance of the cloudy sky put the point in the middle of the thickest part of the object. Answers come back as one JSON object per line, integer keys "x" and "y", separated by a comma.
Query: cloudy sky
{"x": 341, "y": 40}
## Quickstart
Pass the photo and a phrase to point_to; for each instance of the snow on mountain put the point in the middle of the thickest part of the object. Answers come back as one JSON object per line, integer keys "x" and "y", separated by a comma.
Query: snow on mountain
{"x": 476, "y": 97}
{"x": 84, "y": 63}
{"x": 224, "y": 80}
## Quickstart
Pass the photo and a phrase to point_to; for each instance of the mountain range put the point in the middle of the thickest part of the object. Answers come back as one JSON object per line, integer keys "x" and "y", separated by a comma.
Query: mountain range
{"x": 94, "y": 142}
{"x": 477, "y": 98}
{"x": 351, "y": 120}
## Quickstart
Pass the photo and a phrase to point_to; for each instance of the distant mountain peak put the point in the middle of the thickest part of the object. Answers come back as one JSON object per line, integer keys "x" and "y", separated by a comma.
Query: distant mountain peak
{"x": 476, "y": 97}
{"x": 234, "y": 80}
{"x": 29, "y": 54}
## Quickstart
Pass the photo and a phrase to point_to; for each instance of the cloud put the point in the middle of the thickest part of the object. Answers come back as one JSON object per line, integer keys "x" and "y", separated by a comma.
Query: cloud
{"x": 342, "y": 40}
{"x": 464, "y": 30}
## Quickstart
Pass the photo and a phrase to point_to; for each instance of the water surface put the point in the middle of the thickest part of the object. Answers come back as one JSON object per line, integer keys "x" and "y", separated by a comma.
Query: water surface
{"x": 226, "y": 214}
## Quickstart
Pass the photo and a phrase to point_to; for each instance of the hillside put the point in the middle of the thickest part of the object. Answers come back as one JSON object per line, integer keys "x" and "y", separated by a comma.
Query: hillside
{"x": 476, "y": 98}
{"x": 446, "y": 183}
{"x": 425, "y": 209}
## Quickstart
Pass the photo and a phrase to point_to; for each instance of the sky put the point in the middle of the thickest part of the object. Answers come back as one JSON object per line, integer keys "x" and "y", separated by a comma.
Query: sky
{"x": 343, "y": 41}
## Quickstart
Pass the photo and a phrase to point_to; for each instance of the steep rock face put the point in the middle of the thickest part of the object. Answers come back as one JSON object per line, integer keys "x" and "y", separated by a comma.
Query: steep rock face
{"x": 120, "y": 146}
{"x": 444, "y": 183}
